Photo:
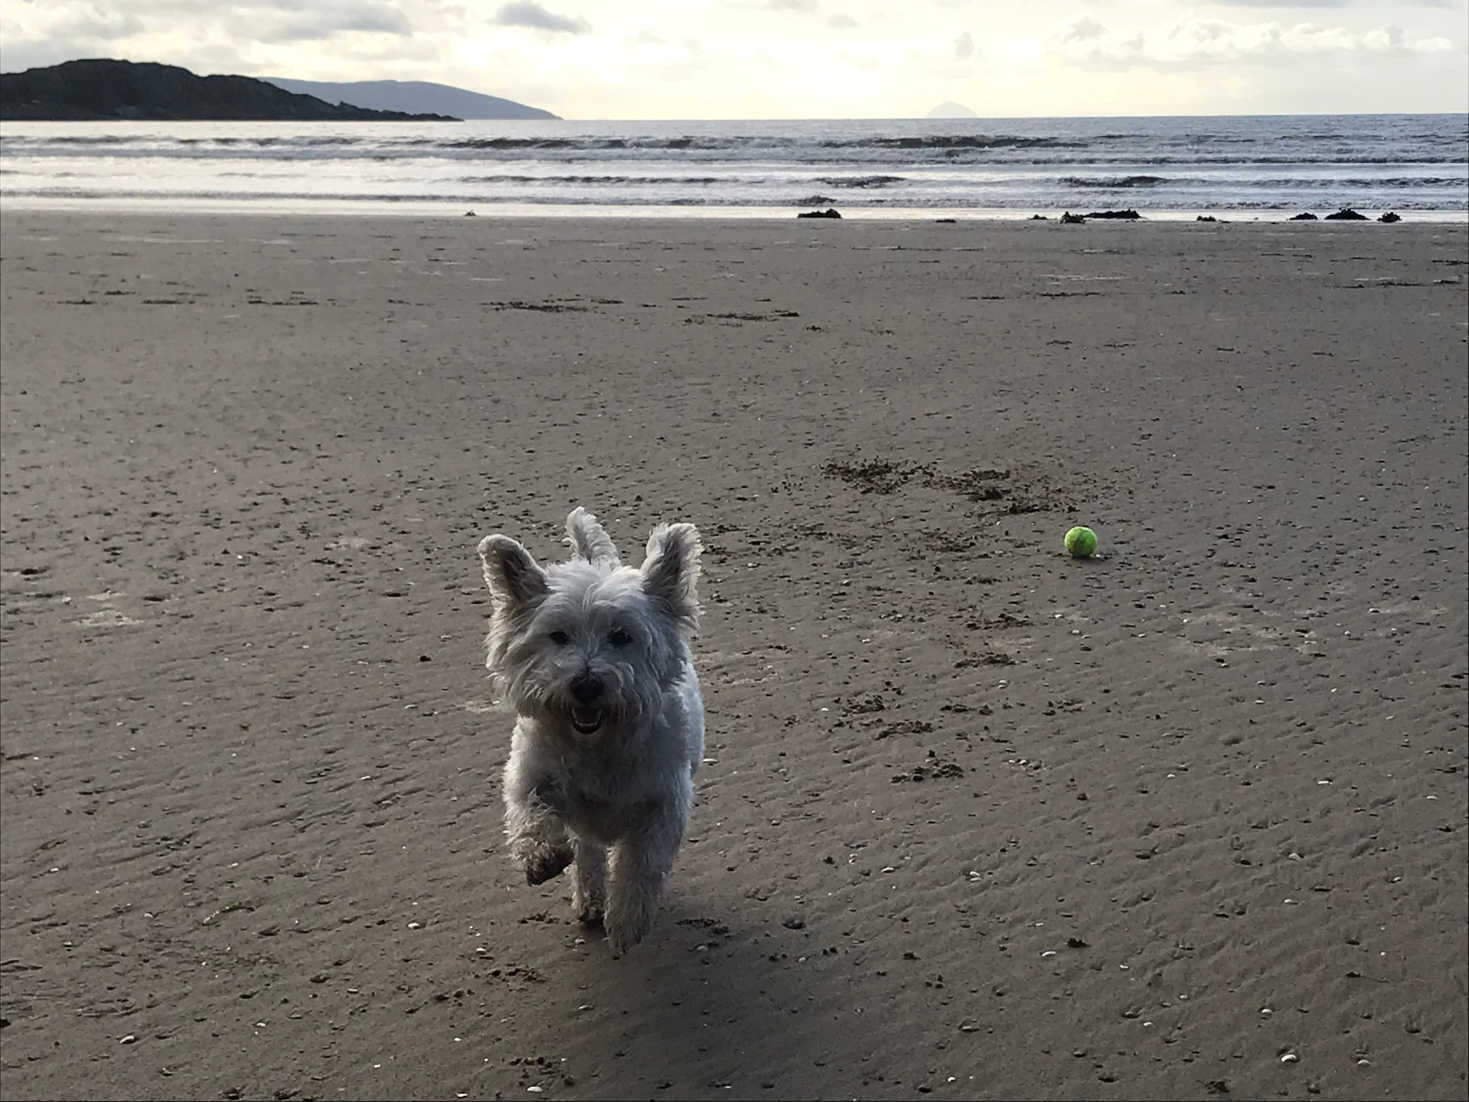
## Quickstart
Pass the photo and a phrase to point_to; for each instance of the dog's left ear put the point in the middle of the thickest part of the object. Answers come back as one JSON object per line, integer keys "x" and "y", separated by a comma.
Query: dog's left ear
{"x": 514, "y": 578}
{"x": 589, "y": 540}
{"x": 671, "y": 571}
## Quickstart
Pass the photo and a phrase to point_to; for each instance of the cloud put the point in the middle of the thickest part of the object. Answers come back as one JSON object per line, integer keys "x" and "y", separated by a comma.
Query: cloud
{"x": 1391, "y": 39}
{"x": 78, "y": 21}
{"x": 1203, "y": 42}
{"x": 368, "y": 19}
{"x": 527, "y": 13}
{"x": 1082, "y": 29}
{"x": 88, "y": 27}
{"x": 842, "y": 22}
{"x": 1287, "y": 3}
{"x": 963, "y": 46}
{"x": 792, "y": 5}
{"x": 377, "y": 18}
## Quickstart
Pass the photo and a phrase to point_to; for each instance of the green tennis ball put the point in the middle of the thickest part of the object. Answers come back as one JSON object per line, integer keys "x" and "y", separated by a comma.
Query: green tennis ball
{"x": 1081, "y": 541}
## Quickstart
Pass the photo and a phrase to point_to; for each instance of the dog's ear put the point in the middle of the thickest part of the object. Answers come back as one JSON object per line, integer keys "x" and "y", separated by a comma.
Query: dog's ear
{"x": 671, "y": 571}
{"x": 589, "y": 540}
{"x": 512, "y": 575}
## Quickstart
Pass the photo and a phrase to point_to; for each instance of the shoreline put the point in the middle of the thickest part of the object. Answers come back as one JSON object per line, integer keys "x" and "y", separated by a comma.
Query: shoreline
{"x": 603, "y": 213}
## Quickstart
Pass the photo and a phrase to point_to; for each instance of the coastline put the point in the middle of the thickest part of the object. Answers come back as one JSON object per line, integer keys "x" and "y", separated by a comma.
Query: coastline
{"x": 980, "y": 820}
{"x": 532, "y": 212}
{"x": 523, "y": 212}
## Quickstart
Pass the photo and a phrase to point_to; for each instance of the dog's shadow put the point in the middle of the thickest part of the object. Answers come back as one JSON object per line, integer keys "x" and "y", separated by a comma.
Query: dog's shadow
{"x": 701, "y": 1008}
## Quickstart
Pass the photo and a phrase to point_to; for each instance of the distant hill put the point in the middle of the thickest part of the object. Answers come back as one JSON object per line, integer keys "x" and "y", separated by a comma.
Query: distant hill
{"x": 951, "y": 110}
{"x": 102, "y": 88}
{"x": 414, "y": 95}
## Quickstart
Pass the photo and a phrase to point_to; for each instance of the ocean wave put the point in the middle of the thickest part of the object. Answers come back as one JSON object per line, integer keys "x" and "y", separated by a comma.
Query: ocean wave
{"x": 953, "y": 141}
{"x": 860, "y": 181}
{"x": 1106, "y": 154}
{"x": 1115, "y": 181}
{"x": 1085, "y": 162}
{"x": 608, "y": 181}
{"x": 637, "y": 142}
{"x": 1316, "y": 182}
{"x": 68, "y": 139}
{"x": 1269, "y": 163}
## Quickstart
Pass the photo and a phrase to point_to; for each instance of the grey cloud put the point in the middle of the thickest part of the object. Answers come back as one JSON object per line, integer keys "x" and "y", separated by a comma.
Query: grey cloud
{"x": 97, "y": 23}
{"x": 21, "y": 54}
{"x": 1287, "y": 3}
{"x": 527, "y": 13}
{"x": 378, "y": 19}
{"x": 842, "y": 22}
{"x": 1082, "y": 29}
{"x": 370, "y": 19}
{"x": 340, "y": 11}
{"x": 285, "y": 20}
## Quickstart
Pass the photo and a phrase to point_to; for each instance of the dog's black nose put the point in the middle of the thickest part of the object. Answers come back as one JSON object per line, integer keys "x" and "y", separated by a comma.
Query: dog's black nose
{"x": 586, "y": 687}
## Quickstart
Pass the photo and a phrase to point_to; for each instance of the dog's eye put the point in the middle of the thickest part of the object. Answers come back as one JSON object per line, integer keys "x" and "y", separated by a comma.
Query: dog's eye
{"x": 618, "y": 638}
{"x": 560, "y": 638}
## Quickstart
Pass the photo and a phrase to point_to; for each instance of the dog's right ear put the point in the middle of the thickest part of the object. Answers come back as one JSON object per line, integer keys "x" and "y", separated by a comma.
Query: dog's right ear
{"x": 589, "y": 540}
{"x": 671, "y": 571}
{"x": 512, "y": 575}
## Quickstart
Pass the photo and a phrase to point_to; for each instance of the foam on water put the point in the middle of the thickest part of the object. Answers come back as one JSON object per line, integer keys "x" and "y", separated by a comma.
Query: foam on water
{"x": 1248, "y": 166}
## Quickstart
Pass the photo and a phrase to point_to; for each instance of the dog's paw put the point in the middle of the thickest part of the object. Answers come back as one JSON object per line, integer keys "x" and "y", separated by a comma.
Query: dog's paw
{"x": 620, "y": 939}
{"x": 626, "y": 928}
{"x": 586, "y": 911}
{"x": 587, "y": 905}
{"x": 544, "y": 862}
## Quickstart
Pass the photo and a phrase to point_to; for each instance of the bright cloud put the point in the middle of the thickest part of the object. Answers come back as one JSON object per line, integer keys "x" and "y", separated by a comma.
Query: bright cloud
{"x": 1204, "y": 42}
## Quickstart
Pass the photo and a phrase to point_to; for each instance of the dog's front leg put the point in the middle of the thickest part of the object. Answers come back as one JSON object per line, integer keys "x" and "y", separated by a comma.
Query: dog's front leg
{"x": 640, "y": 864}
{"x": 536, "y": 830}
{"x": 589, "y": 890}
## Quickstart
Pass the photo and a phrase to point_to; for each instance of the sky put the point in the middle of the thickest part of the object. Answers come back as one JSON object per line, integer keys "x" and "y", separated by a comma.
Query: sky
{"x": 794, "y": 59}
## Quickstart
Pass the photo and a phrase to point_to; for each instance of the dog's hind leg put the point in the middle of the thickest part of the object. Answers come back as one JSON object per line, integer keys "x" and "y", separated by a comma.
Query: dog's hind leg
{"x": 589, "y": 890}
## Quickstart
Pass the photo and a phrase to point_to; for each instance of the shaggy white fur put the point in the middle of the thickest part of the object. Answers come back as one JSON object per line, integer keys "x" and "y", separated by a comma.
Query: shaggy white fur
{"x": 594, "y": 657}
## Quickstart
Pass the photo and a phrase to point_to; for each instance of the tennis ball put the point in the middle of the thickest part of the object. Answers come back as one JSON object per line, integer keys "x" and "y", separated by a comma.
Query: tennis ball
{"x": 1081, "y": 541}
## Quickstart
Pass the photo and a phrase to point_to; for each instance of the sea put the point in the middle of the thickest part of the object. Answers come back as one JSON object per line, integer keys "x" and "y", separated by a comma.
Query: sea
{"x": 1260, "y": 167}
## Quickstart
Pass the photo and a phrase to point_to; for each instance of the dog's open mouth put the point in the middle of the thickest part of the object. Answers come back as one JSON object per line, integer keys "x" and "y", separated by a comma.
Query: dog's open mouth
{"x": 585, "y": 719}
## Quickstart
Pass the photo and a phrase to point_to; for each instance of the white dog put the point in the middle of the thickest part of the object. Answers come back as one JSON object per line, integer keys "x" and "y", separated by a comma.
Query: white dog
{"x": 594, "y": 657}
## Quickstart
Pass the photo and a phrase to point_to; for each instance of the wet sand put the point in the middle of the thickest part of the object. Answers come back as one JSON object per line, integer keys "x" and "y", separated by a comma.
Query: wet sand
{"x": 1186, "y": 820}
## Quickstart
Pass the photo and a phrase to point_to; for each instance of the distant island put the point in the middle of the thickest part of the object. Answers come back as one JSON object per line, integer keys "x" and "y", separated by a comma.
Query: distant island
{"x": 101, "y": 89}
{"x": 414, "y": 95}
{"x": 951, "y": 110}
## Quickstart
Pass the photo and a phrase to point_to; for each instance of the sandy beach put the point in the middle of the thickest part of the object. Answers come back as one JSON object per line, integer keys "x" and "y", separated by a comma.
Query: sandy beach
{"x": 1187, "y": 820}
